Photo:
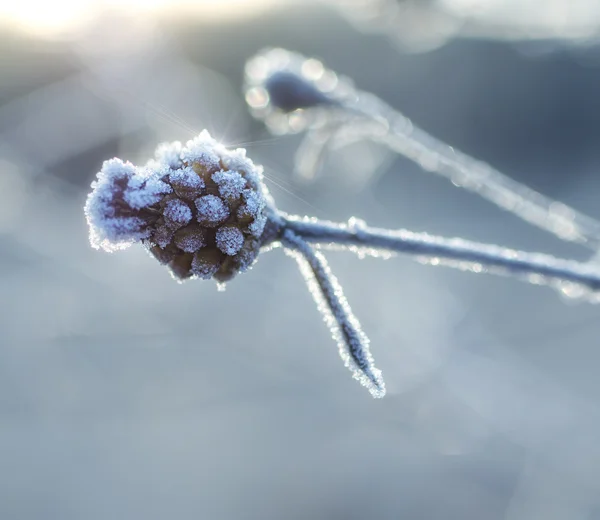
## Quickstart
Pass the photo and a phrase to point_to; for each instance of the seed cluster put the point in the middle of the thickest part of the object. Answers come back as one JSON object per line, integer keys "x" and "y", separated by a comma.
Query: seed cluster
{"x": 209, "y": 226}
{"x": 199, "y": 209}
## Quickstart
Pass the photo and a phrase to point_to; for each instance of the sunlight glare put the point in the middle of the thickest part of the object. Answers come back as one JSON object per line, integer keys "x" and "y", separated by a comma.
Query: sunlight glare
{"x": 45, "y": 17}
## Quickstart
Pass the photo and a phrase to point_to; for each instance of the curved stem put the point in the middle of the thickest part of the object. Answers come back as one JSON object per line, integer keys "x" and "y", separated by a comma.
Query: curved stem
{"x": 534, "y": 267}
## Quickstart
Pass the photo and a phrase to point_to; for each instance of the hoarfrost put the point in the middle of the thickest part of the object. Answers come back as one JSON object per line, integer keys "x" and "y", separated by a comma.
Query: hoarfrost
{"x": 112, "y": 225}
{"x": 203, "y": 149}
{"x": 186, "y": 177}
{"x": 345, "y": 328}
{"x": 253, "y": 207}
{"x": 229, "y": 240}
{"x": 177, "y": 213}
{"x": 205, "y": 265}
{"x": 190, "y": 239}
{"x": 144, "y": 191}
{"x": 169, "y": 154}
{"x": 230, "y": 183}
{"x": 211, "y": 210}
{"x": 236, "y": 160}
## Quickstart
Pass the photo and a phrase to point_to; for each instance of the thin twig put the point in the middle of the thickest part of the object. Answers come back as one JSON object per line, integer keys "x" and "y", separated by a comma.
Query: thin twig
{"x": 344, "y": 326}
{"x": 464, "y": 171}
{"x": 533, "y": 267}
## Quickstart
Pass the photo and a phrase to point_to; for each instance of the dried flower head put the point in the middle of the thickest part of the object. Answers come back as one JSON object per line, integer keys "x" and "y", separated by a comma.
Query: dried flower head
{"x": 200, "y": 209}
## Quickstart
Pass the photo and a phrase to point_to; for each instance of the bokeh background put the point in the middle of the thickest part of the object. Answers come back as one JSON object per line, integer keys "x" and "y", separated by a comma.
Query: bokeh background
{"x": 125, "y": 395}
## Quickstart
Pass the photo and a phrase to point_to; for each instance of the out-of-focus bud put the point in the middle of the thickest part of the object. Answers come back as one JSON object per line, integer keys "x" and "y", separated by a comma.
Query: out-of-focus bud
{"x": 287, "y": 90}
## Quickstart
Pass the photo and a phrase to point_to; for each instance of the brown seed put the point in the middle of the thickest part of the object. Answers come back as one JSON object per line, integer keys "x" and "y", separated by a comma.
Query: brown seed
{"x": 207, "y": 262}
{"x": 181, "y": 266}
{"x": 190, "y": 238}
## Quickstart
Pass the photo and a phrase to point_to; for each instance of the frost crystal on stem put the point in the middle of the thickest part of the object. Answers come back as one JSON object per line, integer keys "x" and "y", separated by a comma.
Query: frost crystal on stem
{"x": 344, "y": 326}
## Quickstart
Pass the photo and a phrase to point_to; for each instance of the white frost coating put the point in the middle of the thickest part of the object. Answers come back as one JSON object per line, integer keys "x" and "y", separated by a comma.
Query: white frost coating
{"x": 187, "y": 177}
{"x": 112, "y": 229}
{"x": 344, "y": 326}
{"x": 236, "y": 160}
{"x": 253, "y": 207}
{"x": 177, "y": 213}
{"x": 457, "y": 252}
{"x": 229, "y": 240}
{"x": 230, "y": 183}
{"x": 145, "y": 191}
{"x": 162, "y": 236}
{"x": 169, "y": 154}
{"x": 211, "y": 209}
{"x": 203, "y": 268}
{"x": 190, "y": 242}
{"x": 203, "y": 149}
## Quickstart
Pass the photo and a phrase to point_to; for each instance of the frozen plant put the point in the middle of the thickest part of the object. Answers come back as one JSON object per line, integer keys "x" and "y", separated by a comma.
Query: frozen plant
{"x": 292, "y": 93}
{"x": 204, "y": 212}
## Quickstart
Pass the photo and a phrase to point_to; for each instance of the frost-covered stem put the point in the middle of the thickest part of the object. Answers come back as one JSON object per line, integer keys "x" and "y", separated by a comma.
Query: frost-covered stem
{"x": 493, "y": 257}
{"x": 345, "y": 328}
{"x": 402, "y": 136}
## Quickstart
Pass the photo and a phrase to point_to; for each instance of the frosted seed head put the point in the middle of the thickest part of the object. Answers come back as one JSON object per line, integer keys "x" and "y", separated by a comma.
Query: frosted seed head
{"x": 177, "y": 213}
{"x": 190, "y": 239}
{"x": 186, "y": 183}
{"x": 193, "y": 207}
{"x": 169, "y": 154}
{"x": 252, "y": 212}
{"x": 247, "y": 254}
{"x": 206, "y": 262}
{"x": 162, "y": 235}
{"x": 229, "y": 240}
{"x": 204, "y": 150}
{"x": 211, "y": 210}
{"x": 114, "y": 221}
{"x": 230, "y": 184}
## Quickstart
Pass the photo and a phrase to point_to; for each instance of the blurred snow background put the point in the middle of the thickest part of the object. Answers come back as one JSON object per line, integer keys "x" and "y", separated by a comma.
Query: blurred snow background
{"x": 126, "y": 395}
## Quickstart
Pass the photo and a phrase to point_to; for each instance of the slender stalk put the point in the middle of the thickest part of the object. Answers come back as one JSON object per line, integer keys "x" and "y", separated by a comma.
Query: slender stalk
{"x": 403, "y": 137}
{"x": 533, "y": 267}
{"x": 345, "y": 328}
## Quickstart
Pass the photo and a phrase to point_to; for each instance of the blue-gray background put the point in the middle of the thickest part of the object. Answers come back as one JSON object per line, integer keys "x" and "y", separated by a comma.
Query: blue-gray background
{"x": 124, "y": 395}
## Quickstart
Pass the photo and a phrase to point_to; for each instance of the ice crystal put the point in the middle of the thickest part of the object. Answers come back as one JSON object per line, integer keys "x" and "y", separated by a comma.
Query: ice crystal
{"x": 177, "y": 213}
{"x": 229, "y": 240}
{"x": 169, "y": 154}
{"x": 211, "y": 210}
{"x": 344, "y": 326}
{"x": 186, "y": 183}
{"x": 114, "y": 209}
{"x": 230, "y": 183}
{"x": 203, "y": 149}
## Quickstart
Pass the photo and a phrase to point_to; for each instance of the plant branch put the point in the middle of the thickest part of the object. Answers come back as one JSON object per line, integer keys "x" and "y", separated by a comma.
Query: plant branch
{"x": 403, "y": 137}
{"x": 345, "y": 328}
{"x": 533, "y": 267}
